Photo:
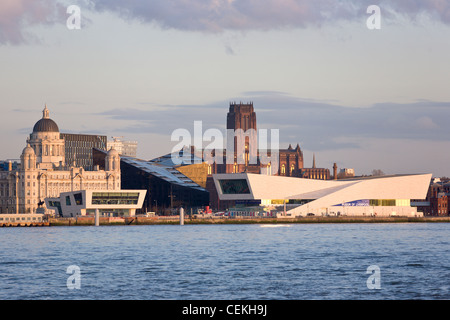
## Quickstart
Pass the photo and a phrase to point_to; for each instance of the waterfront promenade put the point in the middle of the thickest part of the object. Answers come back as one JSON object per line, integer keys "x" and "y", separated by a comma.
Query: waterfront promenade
{"x": 174, "y": 220}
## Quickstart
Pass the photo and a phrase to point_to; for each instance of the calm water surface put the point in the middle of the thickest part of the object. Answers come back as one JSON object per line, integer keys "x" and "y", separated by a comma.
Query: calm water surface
{"x": 300, "y": 261}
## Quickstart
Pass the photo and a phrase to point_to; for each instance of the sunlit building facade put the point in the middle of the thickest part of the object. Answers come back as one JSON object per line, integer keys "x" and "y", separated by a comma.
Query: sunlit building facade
{"x": 297, "y": 197}
{"x": 43, "y": 171}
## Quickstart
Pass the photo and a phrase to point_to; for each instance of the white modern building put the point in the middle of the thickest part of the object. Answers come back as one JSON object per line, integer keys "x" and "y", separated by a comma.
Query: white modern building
{"x": 293, "y": 197}
{"x": 110, "y": 203}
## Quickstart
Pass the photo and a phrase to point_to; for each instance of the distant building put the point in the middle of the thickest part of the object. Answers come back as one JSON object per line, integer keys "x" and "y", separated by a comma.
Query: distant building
{"x": 78, "y": 149}
{"x": 125, "y": 148}
{"x": 346, "y": 173}
{"x": 290, "y": 161}
{"x": 43, "y": 171}
{"x": 117, "y": 203}
{"x": 168, "y": 186}
{"x": 288, "y": 197}
{"x": 439, "y": 205}
{"x": 9, "y": 165}
{"x": 437, "y": 202}
{"x": 314, "y": 172}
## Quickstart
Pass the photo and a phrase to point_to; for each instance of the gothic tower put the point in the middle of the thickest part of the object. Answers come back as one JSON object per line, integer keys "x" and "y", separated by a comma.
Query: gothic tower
{"x": 241, "y": 121}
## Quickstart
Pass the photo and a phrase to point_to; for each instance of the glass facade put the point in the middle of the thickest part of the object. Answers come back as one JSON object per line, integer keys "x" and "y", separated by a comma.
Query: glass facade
{"x": 390, "y": 203}
{"x": 239, "y": 186}
{"x": 110, "y": 212}
{"x": 78, "y": 148}
{"x": 78, "y": 199}
{"x": 115, "y": 198}
{"x": 56, "y": 204}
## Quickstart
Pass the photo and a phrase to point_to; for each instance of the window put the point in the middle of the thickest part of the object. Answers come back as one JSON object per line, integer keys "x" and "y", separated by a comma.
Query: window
{"x": 283, "y": 169}
{"x": 78, "y": 199}
{"x": 115, "y": 198}
{"x": 238, "y": 186}
{"x": 56, "y": 204}
{"x": 68, "y": 201}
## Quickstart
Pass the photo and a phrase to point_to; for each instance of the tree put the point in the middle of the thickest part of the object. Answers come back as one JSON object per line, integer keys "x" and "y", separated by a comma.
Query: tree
{"x": 377, "y": 172}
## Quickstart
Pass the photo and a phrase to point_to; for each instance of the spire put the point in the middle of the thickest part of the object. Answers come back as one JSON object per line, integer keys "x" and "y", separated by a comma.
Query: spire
{"x": 335, "y": 171}
{"x": 314, "y": 160}
{"x": 45, "y": 113}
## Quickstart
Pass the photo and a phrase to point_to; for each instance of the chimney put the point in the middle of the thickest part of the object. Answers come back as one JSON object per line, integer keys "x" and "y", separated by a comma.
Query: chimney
{"x": 335, "y": 171}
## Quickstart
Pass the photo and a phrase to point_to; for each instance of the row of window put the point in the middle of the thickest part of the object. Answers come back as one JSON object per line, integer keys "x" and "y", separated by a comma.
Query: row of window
{"x": 49, "y": 150}
{"x": 126, "y": 198}
{"x": 13, "y": 219}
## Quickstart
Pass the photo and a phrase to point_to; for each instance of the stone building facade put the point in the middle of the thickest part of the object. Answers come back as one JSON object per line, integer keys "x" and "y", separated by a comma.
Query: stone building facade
{"x": 43, "y": 171}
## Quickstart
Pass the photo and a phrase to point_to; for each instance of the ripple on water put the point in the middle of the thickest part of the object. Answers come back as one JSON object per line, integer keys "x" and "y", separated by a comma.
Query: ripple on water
{"x": 227, "y": 262}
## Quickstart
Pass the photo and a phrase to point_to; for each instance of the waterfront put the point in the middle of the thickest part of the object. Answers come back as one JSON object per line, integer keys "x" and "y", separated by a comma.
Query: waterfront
{"x": 161, "y": 220}
{"x": 225, "y": 261}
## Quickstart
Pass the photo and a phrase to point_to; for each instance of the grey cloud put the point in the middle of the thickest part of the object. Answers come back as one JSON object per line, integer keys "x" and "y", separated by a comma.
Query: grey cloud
{"x": 220, "y": 15}
{"x": 316, "y": 125}
{"x": 16, "y": 16}
{"x": 212, "y": 15}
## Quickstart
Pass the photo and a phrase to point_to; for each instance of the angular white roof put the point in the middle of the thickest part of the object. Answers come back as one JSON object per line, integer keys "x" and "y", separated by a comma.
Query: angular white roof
{"x": 325, "y": 193}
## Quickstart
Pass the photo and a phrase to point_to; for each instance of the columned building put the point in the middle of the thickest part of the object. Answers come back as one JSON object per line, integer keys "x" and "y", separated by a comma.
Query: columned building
{"x": 43, "y": 171}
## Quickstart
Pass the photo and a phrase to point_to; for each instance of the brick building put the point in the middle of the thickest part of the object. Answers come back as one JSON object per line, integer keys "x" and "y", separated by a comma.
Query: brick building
{"x": 437, "y": 202}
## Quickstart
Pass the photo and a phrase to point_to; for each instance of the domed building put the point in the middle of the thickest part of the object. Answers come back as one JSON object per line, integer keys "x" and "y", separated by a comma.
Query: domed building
{"x": 47, "y": 143}
{"x": 44, "y": 173}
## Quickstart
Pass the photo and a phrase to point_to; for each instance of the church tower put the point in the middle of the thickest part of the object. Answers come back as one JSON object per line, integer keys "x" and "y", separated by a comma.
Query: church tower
{"x": 241, "y": 120}
{"x": 241, "y": 116}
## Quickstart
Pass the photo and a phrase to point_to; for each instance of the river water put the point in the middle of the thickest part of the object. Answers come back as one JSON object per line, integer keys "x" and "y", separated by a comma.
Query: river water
{"x": 218, "y": 262}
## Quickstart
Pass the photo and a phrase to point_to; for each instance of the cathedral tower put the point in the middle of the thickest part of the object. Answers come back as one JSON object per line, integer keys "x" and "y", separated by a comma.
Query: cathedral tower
{"x": 241, "y": 119}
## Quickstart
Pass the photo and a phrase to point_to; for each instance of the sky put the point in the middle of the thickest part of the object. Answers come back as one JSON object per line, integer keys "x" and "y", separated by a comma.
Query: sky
{"x": 365, "y": 99}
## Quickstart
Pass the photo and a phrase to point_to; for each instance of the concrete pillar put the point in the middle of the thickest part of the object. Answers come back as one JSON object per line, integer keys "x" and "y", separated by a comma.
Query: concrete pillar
{"x": 97, "y": 218}
{"x": 181, "y": 216}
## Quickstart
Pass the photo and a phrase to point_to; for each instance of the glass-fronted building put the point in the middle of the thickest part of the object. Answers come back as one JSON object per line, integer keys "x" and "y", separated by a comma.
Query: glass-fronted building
{"x": 78, "y": 149}
{"x": 117, "y": 203}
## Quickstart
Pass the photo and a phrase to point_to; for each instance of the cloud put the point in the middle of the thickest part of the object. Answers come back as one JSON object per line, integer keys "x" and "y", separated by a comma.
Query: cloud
{"x": 220, "y": 15}
{"x": 316, "y": 125}
{"x": 17, "y": 15}
{"x": 213, "y": 16}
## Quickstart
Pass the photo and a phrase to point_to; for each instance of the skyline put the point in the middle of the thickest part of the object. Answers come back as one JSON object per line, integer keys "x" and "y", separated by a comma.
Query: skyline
{"x": 366, "y": 99}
